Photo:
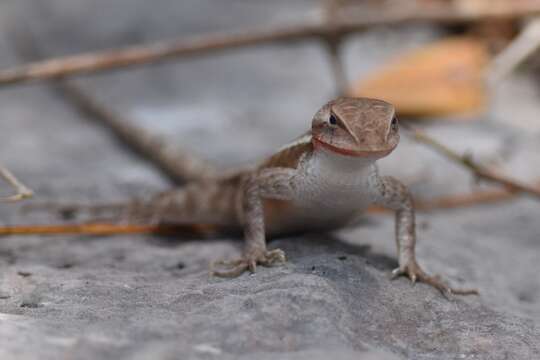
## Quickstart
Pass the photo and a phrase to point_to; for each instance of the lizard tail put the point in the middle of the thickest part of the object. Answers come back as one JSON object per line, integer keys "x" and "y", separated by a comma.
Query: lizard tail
{"x": 71, "y": 211}
{"x": 208, "y": 202}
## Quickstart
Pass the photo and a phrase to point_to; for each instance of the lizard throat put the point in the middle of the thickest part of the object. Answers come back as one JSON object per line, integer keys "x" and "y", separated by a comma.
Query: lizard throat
{"x": 352, "y": 153}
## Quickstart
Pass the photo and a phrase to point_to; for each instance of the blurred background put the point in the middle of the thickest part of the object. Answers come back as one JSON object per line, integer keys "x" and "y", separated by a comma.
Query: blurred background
{"x": 463, "y": 72}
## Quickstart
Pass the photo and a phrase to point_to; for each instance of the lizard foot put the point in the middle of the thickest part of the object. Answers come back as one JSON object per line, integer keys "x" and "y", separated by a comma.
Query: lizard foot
{"x": 415, "y": 272}
{"x": 248, "y": 263}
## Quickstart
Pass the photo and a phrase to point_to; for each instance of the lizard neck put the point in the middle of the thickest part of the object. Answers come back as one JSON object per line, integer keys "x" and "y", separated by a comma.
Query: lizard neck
{"x": 335, "y": 163}
{"x": 331, "y": 187}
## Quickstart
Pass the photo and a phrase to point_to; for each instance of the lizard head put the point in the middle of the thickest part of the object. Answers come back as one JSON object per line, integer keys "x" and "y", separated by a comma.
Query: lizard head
{"x": 359, "y": 127}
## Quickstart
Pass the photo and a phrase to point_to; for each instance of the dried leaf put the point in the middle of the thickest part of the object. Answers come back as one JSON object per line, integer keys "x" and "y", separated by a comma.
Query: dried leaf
{"x": 501, "y": 6}
{"x": 444, "y": 78}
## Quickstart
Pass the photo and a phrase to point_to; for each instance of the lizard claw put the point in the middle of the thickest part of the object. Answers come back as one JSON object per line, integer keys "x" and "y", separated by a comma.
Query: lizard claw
{"x": 252, "y": 265}
{"x": 248, "y": 263}
{"x": 414, "y": 272}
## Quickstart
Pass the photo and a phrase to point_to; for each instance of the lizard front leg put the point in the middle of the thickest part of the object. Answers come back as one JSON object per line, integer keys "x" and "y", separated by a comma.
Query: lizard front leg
{"x": 273, "y": 183}
{"x": 394, "y": 195}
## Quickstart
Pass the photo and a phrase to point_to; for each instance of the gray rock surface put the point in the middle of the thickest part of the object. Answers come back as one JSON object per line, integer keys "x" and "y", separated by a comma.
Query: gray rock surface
{"x": 144, "y": 297}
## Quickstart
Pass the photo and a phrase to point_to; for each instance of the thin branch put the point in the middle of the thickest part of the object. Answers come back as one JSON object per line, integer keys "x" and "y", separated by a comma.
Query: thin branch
{"x": 526, "y": 44}
{"x": 478, "y": 170}
{"x": 160, "y": 51}
{"x": 179, "y": 166}
{"x": 457, "y": 201}
{"x": 176, "y": 164}
{"x": 71, "y": 209}
{"x": 103, "y": 229}
{"x": 333, "y": 41}
{"x": 465, "y": 200}
{"x": 22, "y": 191}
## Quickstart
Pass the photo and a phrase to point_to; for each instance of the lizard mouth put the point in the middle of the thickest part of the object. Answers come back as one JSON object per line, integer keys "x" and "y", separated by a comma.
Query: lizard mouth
{"x": 353, "y": 153}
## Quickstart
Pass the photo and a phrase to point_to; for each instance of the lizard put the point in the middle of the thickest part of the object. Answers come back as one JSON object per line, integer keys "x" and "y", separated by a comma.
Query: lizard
{"x": 321, "y": 181}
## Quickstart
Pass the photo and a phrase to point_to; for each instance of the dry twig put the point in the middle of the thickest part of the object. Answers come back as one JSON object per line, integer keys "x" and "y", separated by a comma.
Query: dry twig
{"x": 333, "y": 42}
{"x": 465, "y": 200}
{"x": 160, "y": 51}
{"x": 478, "y": 170}
{"x": 458, "y": 201}
{"x": 22, "y": 191}
{"x": 177, "y": 165}
{"x": 102, "y": 229}
{"x": 519, "y": 50}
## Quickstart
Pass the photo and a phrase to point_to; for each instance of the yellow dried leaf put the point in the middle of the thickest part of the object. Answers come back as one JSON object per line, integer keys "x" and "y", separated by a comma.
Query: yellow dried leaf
{"x": 444, "y": 78}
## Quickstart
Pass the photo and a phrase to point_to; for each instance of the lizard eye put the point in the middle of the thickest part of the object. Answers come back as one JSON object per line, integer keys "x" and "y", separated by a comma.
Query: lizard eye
{"x": 394, "y": 123}
{"x": 332, "y": 120}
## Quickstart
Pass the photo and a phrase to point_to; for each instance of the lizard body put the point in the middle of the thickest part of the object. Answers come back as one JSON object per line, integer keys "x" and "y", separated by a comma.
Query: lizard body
{"x": 321, "y": 181}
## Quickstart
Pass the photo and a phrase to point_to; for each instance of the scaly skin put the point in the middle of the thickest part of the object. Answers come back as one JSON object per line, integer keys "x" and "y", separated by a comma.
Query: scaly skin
{"x": 321, "y": 181}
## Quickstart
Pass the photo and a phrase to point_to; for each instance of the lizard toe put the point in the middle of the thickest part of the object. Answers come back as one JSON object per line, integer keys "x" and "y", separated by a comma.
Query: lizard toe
{"x": 232, "y": 272}
{"x": 275, "y": 256}
{"x": 415, "y": 273}
{"x": 249, "y": 263}
{"x": 252, "y": 265}
{"x": 396, "y": 273}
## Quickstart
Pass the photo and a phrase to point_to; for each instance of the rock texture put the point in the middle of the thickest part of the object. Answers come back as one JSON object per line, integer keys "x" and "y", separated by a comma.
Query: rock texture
{"x": 144, "y": 297}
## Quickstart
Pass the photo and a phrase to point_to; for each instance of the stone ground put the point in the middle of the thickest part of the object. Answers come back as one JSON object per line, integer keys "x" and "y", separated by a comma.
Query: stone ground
{"x": 142, "y": 297}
